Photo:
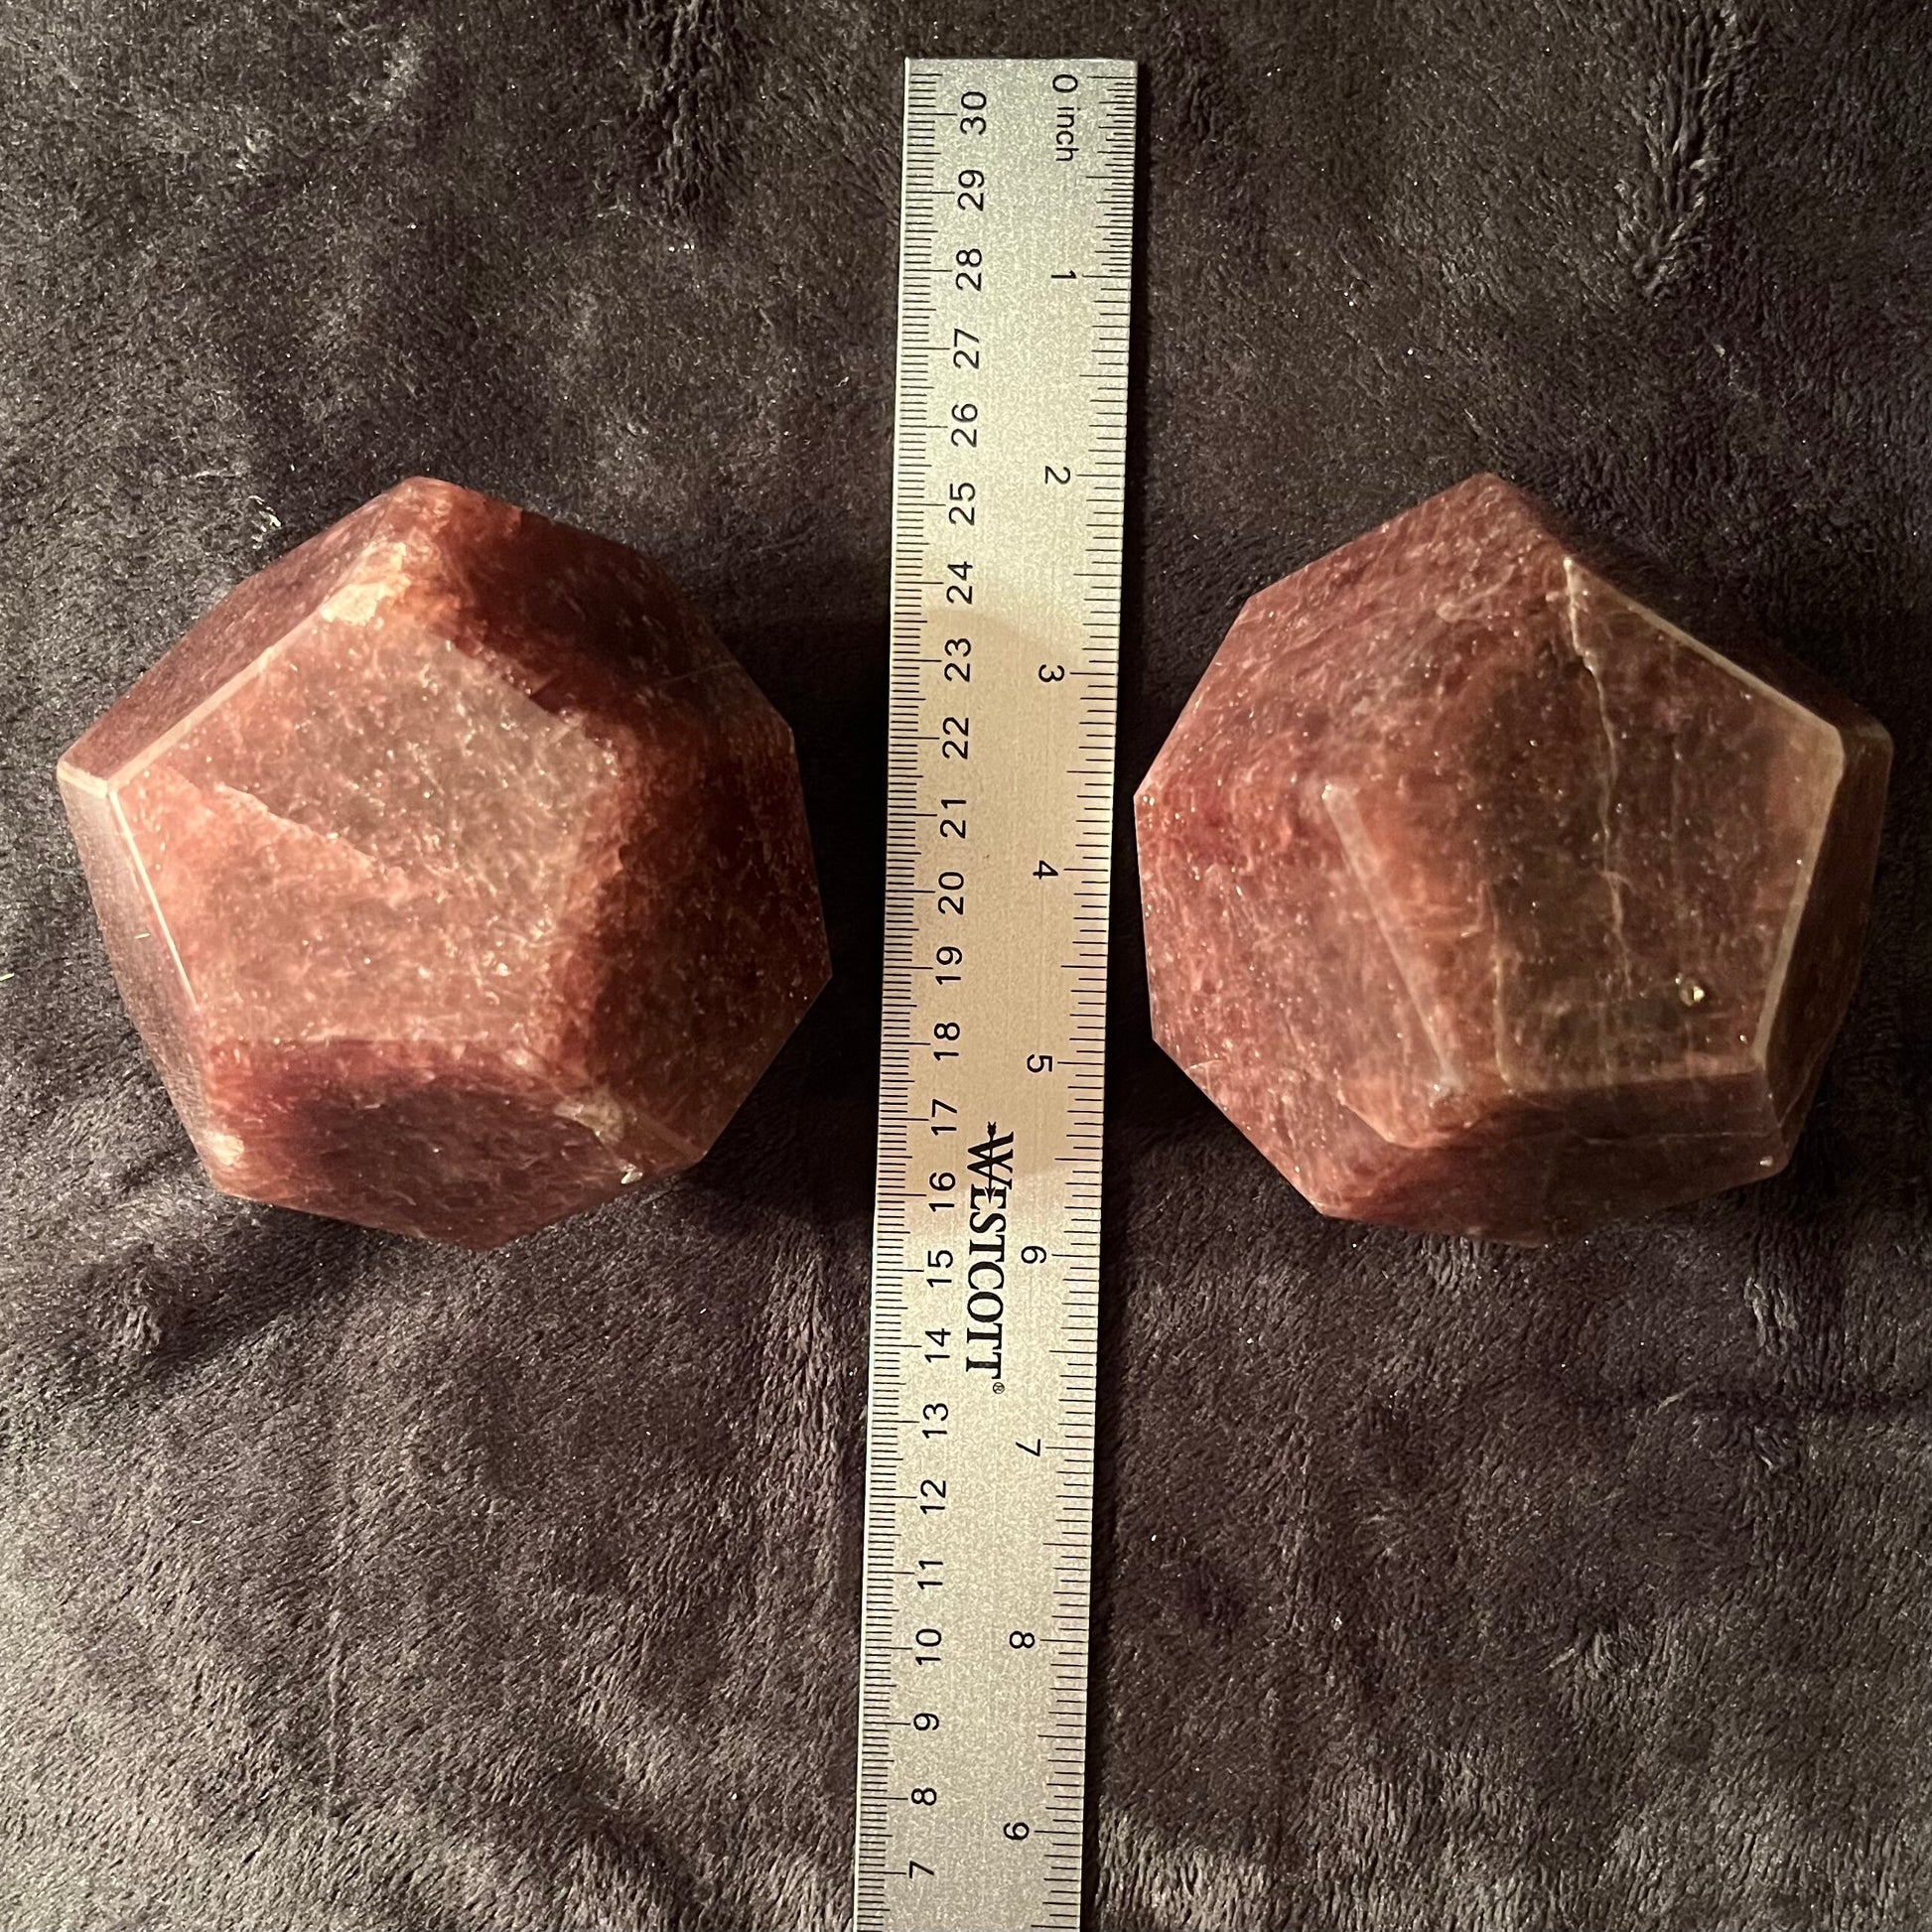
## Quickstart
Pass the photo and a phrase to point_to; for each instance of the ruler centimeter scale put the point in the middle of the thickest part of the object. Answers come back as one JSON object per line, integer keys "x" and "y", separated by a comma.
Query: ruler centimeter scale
{"x": 1016, "y": 253}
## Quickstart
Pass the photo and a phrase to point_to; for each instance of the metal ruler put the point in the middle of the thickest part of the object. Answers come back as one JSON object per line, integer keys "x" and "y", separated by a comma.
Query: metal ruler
{"x": 1015, "y": 243}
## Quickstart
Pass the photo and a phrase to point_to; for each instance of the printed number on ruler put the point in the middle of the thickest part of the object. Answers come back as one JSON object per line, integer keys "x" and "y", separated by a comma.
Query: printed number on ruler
{"x": 1015, "y": 252}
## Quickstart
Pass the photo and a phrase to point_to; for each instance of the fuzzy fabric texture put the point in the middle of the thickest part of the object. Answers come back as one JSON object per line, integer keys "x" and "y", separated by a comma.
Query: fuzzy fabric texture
{"x": 351, "y": 1586}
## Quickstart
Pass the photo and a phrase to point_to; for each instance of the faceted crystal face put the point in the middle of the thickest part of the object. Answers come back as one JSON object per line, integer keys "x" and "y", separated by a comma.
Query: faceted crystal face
{"x": 454, "y": 875}
{"x": 1484, "y": 899}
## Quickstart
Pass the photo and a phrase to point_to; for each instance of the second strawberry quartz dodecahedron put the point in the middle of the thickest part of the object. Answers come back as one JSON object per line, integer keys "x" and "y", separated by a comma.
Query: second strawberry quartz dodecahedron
{"x": 454, "y": 875}
{"x": 1484, "y": 899}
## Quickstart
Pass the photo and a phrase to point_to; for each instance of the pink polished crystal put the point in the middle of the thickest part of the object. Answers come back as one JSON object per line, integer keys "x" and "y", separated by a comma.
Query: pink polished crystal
{"x": 453, "y": 874}
{"x": 1484, "y": 899}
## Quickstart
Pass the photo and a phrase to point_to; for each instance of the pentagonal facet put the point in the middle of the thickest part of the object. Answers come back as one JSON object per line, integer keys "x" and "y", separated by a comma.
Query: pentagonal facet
{"x": 1483, "y": 898}
{"x": 453, "y": 872}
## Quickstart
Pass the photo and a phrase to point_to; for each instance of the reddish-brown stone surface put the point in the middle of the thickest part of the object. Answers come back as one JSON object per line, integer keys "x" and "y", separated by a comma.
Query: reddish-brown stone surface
{"x": 454, "y": 875}
{"x": 1485, "y": 900}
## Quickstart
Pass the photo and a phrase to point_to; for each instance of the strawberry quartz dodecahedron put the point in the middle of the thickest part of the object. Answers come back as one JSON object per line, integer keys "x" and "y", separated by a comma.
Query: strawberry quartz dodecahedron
{"x": 454, "y": 875}
{"x": 1484, "y": 899}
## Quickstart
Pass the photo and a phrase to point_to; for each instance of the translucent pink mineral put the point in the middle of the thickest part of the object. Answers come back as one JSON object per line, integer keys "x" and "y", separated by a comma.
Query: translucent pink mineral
{"x": 454, "y": 875}
{"x": 1484, "y": 899}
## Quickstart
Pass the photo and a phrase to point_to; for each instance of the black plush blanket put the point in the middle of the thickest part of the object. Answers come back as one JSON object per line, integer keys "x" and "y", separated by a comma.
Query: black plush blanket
{"x": 349, "y": 1584}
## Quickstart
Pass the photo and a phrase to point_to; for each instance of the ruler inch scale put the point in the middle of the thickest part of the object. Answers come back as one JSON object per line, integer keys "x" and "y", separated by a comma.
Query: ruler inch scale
{"x": 1016, "y": 243}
